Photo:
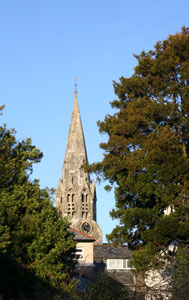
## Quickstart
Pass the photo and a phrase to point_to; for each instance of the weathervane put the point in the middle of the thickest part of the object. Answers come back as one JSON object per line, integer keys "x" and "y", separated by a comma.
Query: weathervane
{"x": 75, "y": 78}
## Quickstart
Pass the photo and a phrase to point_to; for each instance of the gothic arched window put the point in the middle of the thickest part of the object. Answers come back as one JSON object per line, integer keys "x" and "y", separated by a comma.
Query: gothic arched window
{"x": 85, "y": 205}
{"x": 68, "y": 198}
{"x": 70, "y": 204}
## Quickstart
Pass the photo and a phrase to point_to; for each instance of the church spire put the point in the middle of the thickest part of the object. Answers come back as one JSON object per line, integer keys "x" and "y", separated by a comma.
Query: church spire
{"x": 76, "y": 194}
{"x": 75, "y": 154}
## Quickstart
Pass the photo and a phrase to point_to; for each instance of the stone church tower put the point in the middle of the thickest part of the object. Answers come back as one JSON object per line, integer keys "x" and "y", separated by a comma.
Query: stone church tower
{"x": 76, "y": 194}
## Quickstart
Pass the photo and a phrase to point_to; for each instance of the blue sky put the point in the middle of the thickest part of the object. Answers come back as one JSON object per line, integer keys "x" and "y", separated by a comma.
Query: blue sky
{"x": 44, "y": 44}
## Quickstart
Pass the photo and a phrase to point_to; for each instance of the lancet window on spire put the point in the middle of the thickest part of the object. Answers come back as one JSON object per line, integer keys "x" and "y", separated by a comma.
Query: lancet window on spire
{"x": 70, "y": 204}
{"x": 85, "y": 205}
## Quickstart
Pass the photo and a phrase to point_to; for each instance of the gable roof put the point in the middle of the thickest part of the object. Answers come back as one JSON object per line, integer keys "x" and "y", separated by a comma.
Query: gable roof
{"x": 106, "y": 251}
{"x": 81, "y": 236}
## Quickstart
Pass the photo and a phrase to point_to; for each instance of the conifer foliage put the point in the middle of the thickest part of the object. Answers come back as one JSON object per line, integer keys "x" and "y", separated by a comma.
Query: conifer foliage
{"x": 33, "y": 235}
{"x": 146, "y": 154}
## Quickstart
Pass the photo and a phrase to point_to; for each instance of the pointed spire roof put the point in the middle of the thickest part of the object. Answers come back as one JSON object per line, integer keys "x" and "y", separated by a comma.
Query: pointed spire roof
{"x": 75, "y": 154}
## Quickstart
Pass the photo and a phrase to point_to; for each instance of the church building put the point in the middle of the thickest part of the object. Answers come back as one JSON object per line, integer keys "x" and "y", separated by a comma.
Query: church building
{"x": 76, "y": 200}
{"x": 76, "y": 194}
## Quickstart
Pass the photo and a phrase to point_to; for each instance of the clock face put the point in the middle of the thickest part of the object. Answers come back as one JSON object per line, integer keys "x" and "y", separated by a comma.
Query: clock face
{"x": 86, "y": 227}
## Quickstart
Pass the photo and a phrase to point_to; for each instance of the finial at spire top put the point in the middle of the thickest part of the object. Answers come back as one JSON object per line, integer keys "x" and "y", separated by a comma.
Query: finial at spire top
{"x": 75, "y": 78}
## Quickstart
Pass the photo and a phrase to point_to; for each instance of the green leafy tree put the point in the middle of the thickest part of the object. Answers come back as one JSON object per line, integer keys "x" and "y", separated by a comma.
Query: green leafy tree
{"x": 146, "y": 154}
{"x": 106, "y": 288}
{"x": 32, "y": 232}
{"x": 180, "y": 286}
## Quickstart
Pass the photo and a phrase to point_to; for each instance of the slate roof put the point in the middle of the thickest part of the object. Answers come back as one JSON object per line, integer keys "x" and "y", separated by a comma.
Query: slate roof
{"x": 81, "y": 236}
{"x": 106, "y": 251}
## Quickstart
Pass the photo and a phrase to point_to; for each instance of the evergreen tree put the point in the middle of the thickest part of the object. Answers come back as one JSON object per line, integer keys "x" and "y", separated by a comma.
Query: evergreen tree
{"x": 146, "y": 155}
{"x": 32, "y": 232}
